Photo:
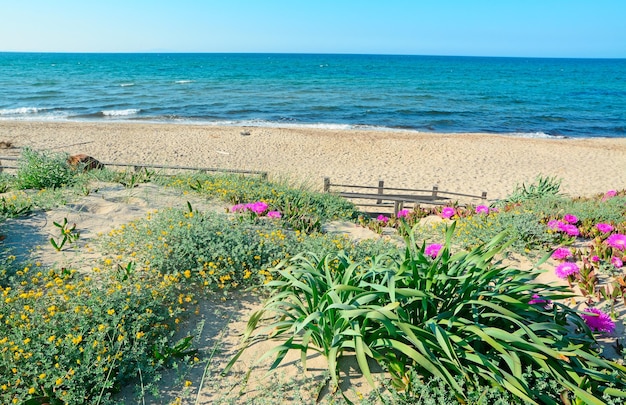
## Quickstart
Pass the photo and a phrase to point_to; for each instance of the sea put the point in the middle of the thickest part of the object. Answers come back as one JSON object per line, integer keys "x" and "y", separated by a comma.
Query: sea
{"x": 533, "y": 97}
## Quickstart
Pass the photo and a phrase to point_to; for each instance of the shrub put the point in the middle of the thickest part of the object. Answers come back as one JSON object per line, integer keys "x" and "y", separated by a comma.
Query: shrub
{"x": 220, "y": 251}
{"x": 297, "y": 204}
{"x": 41, "y": 170}
{"x": 75, "y": 339}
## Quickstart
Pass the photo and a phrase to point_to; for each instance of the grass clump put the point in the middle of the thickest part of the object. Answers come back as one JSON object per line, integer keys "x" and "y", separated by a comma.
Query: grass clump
{"x": 41, "y": 170}
{"x": 544, "y": 186}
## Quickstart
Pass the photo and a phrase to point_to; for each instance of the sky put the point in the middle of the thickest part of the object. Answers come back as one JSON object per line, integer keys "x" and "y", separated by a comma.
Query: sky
{"x": 528, "y": 28}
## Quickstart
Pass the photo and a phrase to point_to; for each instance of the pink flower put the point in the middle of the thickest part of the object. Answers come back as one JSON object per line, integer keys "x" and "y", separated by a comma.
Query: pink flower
{"x": 274, "y": 214}
{"x": 536, "y": 299}
{"x": 566, "y": 269}
{"x": 595, "y": 259}
{"x": 432, "y": 250}
{"x": 598, "y": 320}
{"x": 237, "y": 208}
{"x": 617, "y": 262}
{"x": 617, "y": 241}
{"x": 382, "y": 219}
{"x": 569, "y": 229}
{"x": 561, "y": 254}
{"x": 570, "y": 219}
{"x": 604, "y": 228}
{"x": 447, "y": 212}
{"x": 258, "y": 207}
{"x": 482, "y": 209}
{"x": 609, "y": 194}
{"x": 403, "y": 213}
{"x": 554, "y": 224}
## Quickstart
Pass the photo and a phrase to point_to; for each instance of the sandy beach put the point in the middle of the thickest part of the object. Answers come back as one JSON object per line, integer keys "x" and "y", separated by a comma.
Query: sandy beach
{"x": 465, "y": 163}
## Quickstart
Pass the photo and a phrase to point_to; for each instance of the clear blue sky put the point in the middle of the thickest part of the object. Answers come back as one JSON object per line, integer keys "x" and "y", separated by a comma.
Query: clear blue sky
{"x": 542, "y": 28}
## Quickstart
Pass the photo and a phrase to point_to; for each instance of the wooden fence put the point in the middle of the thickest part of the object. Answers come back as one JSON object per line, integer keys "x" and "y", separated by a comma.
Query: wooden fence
{"x": 382, "y": 197}
{"x": 140, "y": 166}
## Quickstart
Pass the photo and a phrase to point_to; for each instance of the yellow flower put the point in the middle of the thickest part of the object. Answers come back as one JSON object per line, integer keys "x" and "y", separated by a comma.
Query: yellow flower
{"x": 139, "y": 335}
{"x": 42, "y": 376}
{"x": 111, "y": 312}
{"x": 31, "y": 390}
{"x": 187, "y": 273}
{"x": 188, "y": 383}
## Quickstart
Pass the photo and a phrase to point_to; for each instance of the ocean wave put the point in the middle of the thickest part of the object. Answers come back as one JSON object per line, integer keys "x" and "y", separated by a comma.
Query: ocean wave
{"x": 21, "y": 111}
{"x": 296, "y": 125}
{"x": 535, "y": 135}
{"x": 120, "y": 113}
{"x": 127, "y": 84}
{"x": 183, "y": 81}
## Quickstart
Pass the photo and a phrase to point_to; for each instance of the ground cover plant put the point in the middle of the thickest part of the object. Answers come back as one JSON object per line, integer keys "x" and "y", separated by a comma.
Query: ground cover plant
{"x": 219, "y": 251}
{"x": 300, "y": 207}
{"x": 434, "y": 314}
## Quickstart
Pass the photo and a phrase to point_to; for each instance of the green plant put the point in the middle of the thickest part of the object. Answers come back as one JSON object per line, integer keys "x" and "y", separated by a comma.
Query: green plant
{"x": 68, "y": 338}
{"x": 309, "y": 299}
{"x": 542, "y": 187}
{"x": 12, "y": 208}
{"x": 41, "y": 170}
{"x": 131, "y": 179}
{"x": 455, "y": 315}
{"x": 69, "y": 234}
{"x": 525, "y": 229}
{"x": 6, "y": 181}
{"x": 219, "y": 251}
{"x": 305, "y": 206}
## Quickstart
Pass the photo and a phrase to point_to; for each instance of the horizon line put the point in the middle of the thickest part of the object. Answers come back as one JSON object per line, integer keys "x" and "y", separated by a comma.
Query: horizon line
{"x": 170, "y": 52}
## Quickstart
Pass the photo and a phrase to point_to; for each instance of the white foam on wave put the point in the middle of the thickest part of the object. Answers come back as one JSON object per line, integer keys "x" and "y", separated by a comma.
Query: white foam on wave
{"x": 279, "y": 124}
{"x": 120, "y": 113}
{"x": 21, "y": 111}
{"x": 535, "y": 135}
{"x": 127, "y": 84}
{"x": 183, "y": 81}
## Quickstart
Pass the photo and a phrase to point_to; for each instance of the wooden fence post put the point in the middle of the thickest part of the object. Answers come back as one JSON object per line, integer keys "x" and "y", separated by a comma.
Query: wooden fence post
{"x": 484, "y": 195}
{"x": 326, "y": 184}
{"x": 435, "y": 190}
{"x": 381, "y": 188}
{"x": 397, "y": 207}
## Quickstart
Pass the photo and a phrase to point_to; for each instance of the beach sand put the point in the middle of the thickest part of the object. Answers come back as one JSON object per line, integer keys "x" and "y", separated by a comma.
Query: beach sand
{"x": 464, "y": 163}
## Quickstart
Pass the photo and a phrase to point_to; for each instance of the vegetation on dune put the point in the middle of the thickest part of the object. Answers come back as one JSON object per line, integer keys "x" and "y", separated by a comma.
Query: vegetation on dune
{"x": 439, "y": 312}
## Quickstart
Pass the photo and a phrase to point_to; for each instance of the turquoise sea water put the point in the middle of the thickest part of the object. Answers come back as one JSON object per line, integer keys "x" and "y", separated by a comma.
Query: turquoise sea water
{"x": 530, "y": 96}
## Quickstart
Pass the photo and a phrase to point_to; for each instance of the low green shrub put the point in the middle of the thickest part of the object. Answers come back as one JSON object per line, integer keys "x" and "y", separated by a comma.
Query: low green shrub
{"x": 294, "y": 203}
{"x": 219, "y": 251}
{"x": 41, "y": 170}
{"x": 76, "y": 339}
{"x": 526, "y": 230}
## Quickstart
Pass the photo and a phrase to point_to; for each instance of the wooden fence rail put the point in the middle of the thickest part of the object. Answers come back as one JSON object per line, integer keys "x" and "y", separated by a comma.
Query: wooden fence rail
{"x": 387, "y": 196}
{"x": 141, "y": 166}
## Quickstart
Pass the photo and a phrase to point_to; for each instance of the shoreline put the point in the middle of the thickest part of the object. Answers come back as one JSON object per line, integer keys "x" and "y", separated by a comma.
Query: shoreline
{"x": 285, "y": 125}
{"x": 459, "y": 162}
